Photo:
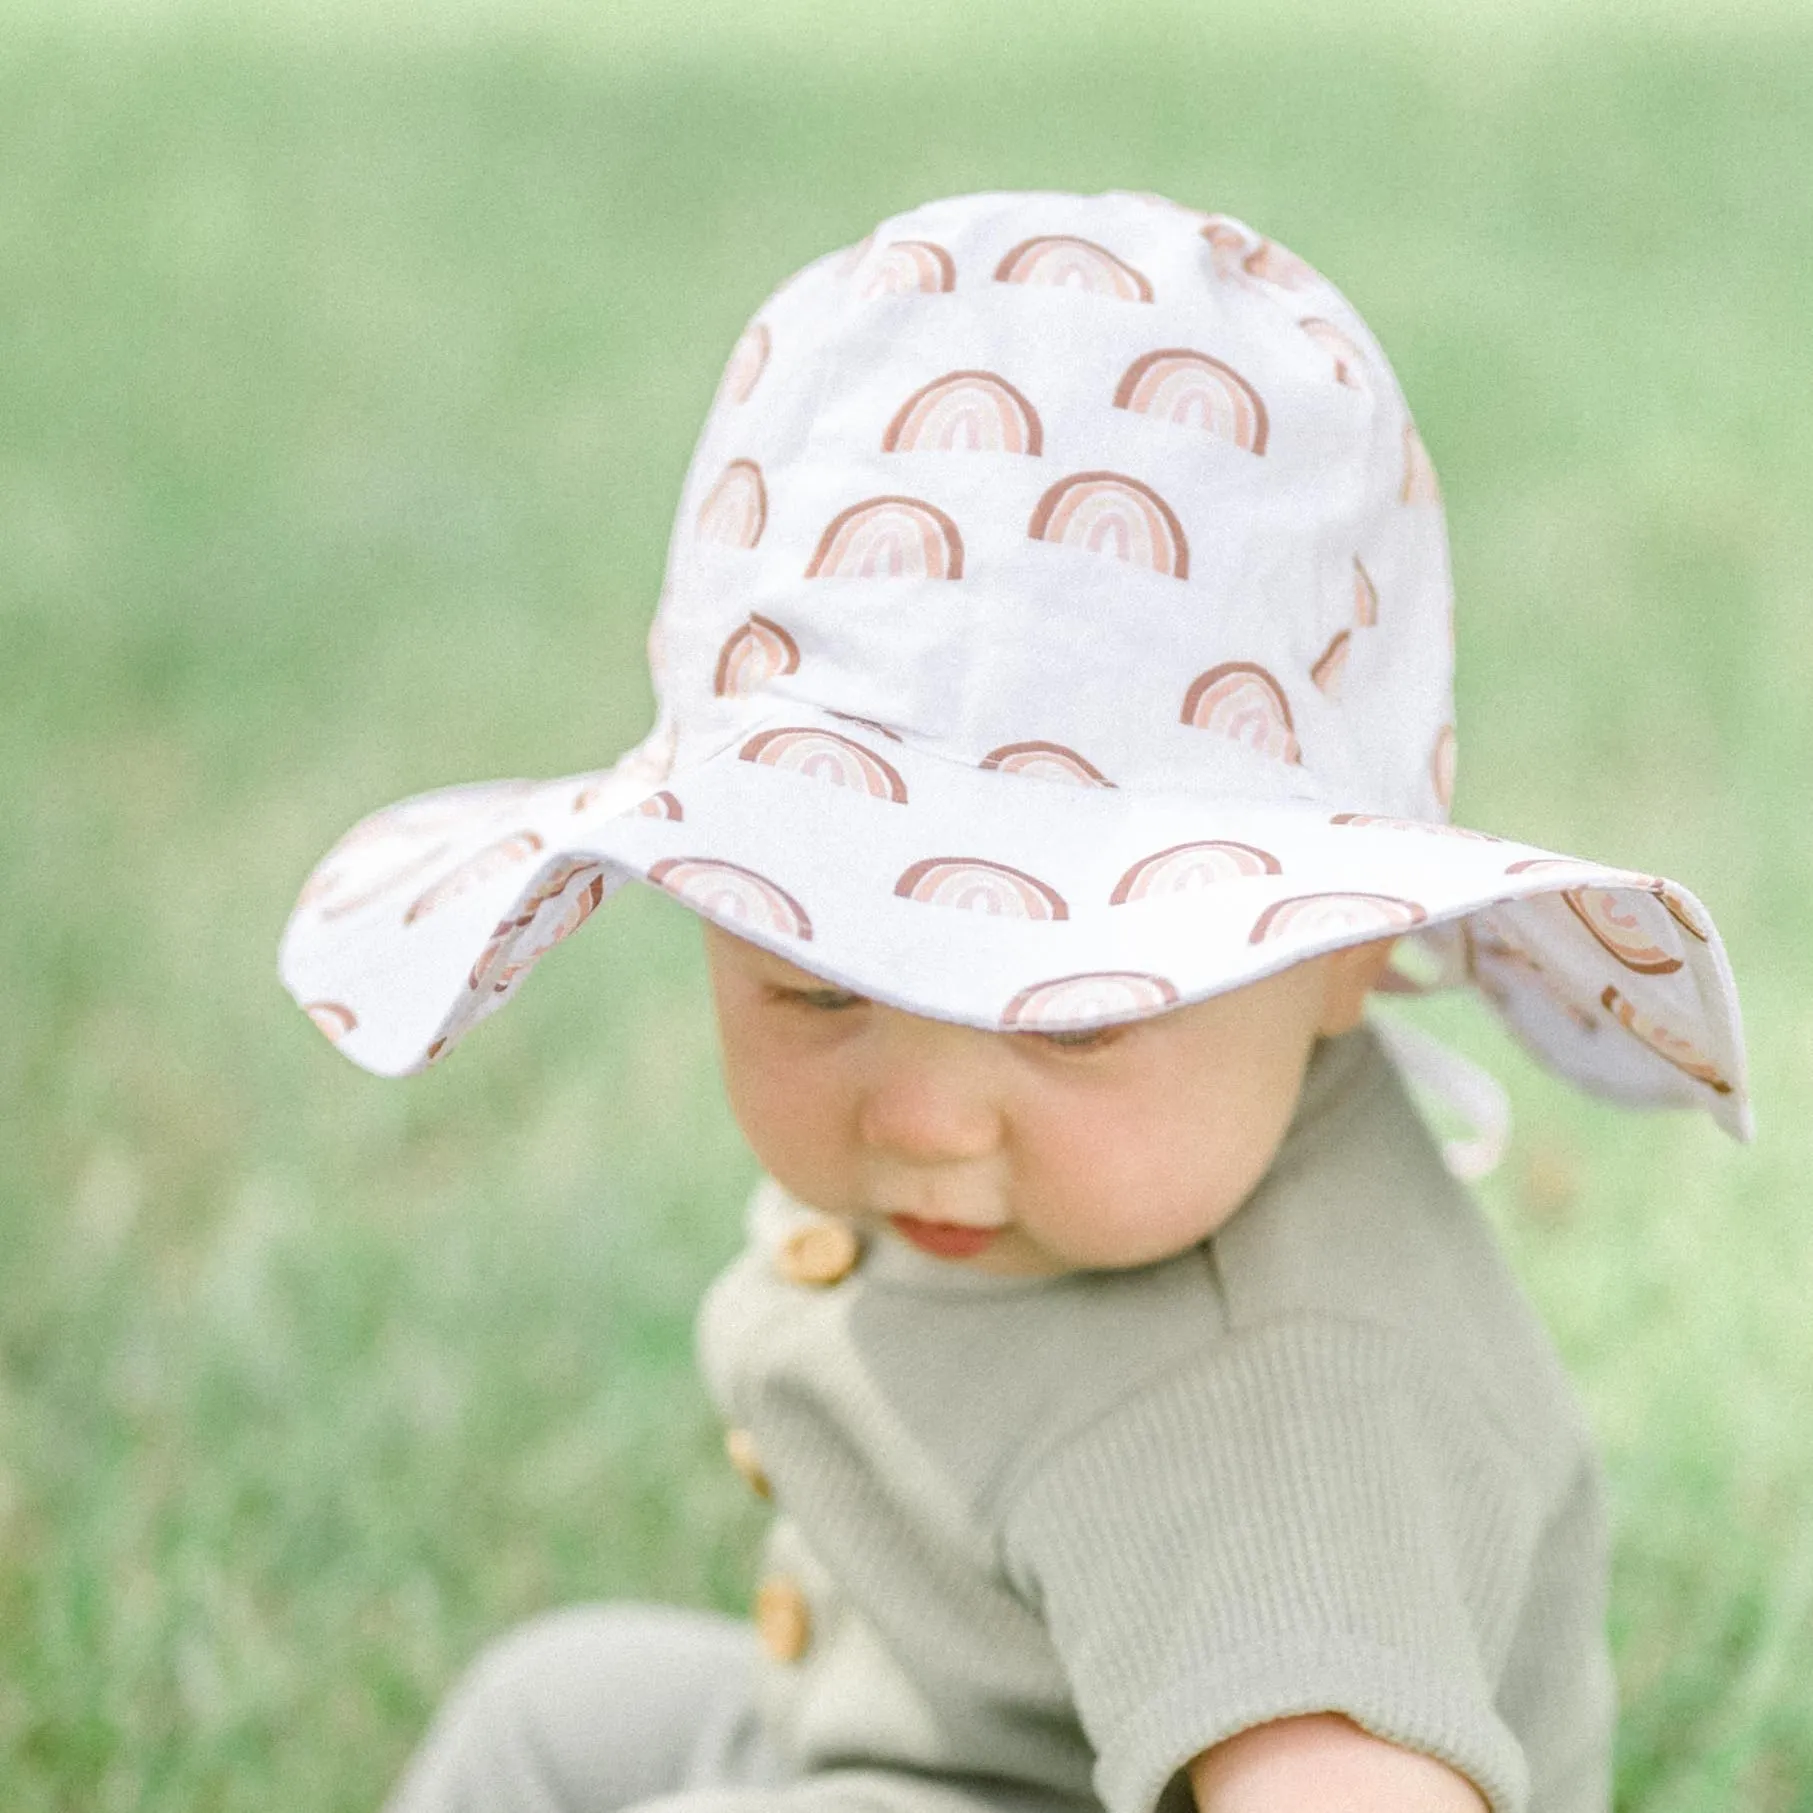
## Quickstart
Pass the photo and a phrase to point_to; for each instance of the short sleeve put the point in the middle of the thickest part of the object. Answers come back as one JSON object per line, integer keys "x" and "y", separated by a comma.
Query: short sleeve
{"x": 1304, "y": 1519}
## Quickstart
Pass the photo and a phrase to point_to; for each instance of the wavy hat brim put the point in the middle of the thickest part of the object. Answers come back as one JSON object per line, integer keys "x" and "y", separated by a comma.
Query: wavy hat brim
{"x": 1094, "y": 904}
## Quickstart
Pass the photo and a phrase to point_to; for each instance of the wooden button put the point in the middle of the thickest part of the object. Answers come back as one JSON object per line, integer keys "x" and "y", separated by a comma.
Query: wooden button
{"x": 739, "y": 1444}
{"x": 783, "y": 1620}
{"x": 820, "y": 1253}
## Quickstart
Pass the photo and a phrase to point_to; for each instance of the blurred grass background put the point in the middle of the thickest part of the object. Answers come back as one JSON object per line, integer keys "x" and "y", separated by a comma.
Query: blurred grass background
{"x": 349, "y": 359}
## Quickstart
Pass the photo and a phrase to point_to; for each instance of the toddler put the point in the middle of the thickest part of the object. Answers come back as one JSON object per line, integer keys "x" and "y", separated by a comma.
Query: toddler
{"x": 1055, "y": 737}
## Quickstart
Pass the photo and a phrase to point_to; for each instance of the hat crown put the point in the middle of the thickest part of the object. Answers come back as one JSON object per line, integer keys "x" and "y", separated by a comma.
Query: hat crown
{"x": 1096, "y": 489}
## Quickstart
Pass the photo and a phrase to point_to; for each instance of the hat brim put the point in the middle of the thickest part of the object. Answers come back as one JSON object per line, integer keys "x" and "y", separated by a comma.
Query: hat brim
{"x": 1025, "y": 897}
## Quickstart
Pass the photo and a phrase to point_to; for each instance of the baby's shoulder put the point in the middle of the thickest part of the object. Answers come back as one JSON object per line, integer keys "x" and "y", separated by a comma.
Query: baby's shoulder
{"x": 1361, "y": 1225}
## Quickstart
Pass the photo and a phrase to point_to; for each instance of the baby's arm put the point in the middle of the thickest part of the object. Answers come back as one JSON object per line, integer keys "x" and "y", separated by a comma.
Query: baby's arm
{"x": 1324, "y": 1764}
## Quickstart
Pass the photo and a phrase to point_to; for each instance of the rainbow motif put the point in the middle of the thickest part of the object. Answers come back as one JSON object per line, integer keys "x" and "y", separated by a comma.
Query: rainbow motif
{"x": 1229, "y": 244}
{"x": 1193, "y": 389}
{"x": 735, "y": 509}
{"x": 1442, "y": 760}
{"x": 825, "y": 756}
{"x": 662, "y": 805}
{"x": 1682, "y": 913}
{"x": 1309, "y": 918}
{"x": 1189, "y": 868}
{"x": 1100, "y": 997}
{"x": 555, "y": 910}
{"x": 731, "y": 894}
{"x": 1045, "y": 762}
{"x": 1271, "y": 263}
{"x": 975, "y": 886}
{"x": 1331, "y": 665}
{"x": 748, "y": 360}
{"x": 1241, "y": 701}
{"x": 1365, "y": 597}
{"x": 492, "y": 860}
{"x": 1109, "y": 513}
{"x": 1349, "y": 360}
{"x": 1061, "y": 261}
{"x": 650, "y": 761}
{"x": 1549, "y": 865}
{"x": 1420, "y": 485}
{"x": 965, "y": 412}
{"x": 333, "y": 1018}
{"x": 755, "y": 653}
{"x": 1680, "y": 1052}
{"x": 1635, "y": 927}
{"x": 389, "y": 879}
{"x": 889, "y": 538}
{"x": 910, "y": 266}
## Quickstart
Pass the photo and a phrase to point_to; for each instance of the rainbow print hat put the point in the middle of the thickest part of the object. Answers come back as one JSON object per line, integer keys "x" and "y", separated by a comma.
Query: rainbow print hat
{"x": 1057, "y": 628}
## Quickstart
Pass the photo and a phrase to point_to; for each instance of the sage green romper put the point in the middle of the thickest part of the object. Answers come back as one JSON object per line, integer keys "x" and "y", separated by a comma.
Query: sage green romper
{"x": 1038, "y": 1542}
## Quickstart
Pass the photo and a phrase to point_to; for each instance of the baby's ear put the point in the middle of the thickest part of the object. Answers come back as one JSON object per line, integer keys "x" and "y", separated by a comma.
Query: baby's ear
{"x": 1348, "y": 977}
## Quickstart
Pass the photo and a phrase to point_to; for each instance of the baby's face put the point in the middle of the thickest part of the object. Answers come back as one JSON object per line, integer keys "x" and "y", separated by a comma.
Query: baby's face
{"x": 1018, "y": 1152}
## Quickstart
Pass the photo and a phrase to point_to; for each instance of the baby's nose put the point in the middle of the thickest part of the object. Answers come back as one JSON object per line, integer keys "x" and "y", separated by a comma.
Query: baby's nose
{"x": 931, "y": 1098}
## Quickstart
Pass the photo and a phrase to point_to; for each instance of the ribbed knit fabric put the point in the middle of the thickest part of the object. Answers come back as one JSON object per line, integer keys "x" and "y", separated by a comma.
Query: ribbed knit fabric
{"x": 1073, "y": 1531}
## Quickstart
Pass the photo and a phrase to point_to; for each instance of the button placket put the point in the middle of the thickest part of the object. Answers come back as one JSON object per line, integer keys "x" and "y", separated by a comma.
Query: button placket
{"x": 783, "y": 1619}
{"x": 819, "y": 1254}
{"x": 739, "y": 1444}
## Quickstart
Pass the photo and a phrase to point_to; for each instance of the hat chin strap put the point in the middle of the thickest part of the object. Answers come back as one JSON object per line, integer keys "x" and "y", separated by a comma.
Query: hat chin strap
{"x": 1457, "y": 1085}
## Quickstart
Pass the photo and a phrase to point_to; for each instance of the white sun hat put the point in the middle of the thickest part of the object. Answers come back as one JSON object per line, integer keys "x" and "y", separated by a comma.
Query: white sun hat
{"x": 1057, "y": 628}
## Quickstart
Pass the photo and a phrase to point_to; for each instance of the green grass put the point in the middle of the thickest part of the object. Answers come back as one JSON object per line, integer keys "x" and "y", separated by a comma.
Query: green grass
{"x": 351, "y": 356}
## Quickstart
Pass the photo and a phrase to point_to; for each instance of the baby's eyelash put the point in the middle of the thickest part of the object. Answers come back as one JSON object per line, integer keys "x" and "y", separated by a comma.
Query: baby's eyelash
{"x": 828, "y": 1000}
{"x": 1083, "y": 1038}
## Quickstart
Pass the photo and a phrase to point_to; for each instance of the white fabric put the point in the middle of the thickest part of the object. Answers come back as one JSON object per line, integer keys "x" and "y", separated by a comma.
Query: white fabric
{"x": 1056, "y": 628}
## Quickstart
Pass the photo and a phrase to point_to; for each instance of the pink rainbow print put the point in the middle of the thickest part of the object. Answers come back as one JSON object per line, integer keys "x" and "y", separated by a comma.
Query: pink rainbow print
{"x": 1192, "y": 389}
{"x": 516, "y": 944}
{"x": 910, "y": 266}
{"x": 1069, "y": 1003}
{"x": 1683, "y": 915}
{"x": 1680, "y": 1052}
{"x": 889, "y": 538}
{"x": 1365, "y": 597}
{"x": 1241, "y": 701}
{"x": 1420, "y": 485}
{"x": 1045, "y": 762}
{"x": 1110, "y": 513}
{"x": 748, "y": 360}
{"x": 965, "y": 412}
{"x": 735, "y": 509}
{"x": 977, "y": 886}
{"x": 1064, "y": 262}
{"x": 1349, "y": 360}
{"x": 333, "y": 1018}
{"x": 1309, "y": 918}
{"x": 825, "y": 756}
{"x": 731, "y": 894}
{"x": 662, "y": 805}
{"x": 1271, "y": 263}
{"x": 339, "y": 907}
{"x": 492, "y": 860}
{"x": 1189, "y": 868}
{"x": 1549, "y": 865}
{"x": 1331, "y": 665}
{"x": 755, "y": 653}
{"x": 1636, "y": 928}
{"x": 1442, "y": 761}
{"x": 1229, "y": 244}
